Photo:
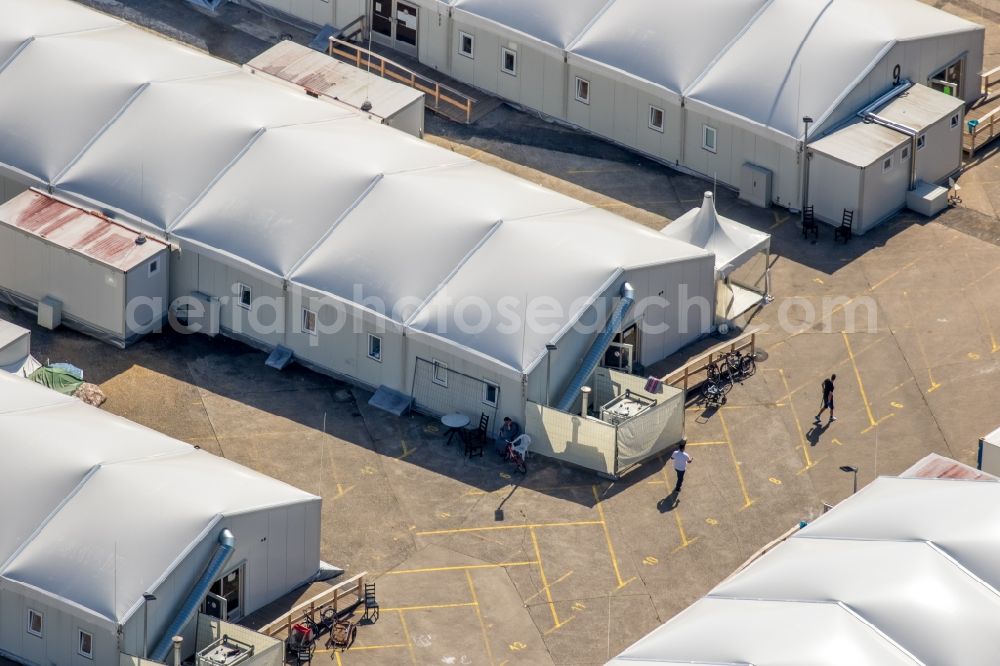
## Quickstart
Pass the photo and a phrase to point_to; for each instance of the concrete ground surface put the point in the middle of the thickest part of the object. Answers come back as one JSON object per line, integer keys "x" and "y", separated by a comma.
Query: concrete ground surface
{"x": 580, "y": 567}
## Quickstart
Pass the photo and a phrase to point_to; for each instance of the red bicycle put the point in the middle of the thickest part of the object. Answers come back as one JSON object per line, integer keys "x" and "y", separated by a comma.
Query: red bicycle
{"x": 517, "y": 451}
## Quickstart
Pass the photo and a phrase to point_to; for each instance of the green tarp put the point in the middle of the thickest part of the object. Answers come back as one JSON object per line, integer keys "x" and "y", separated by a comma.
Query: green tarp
{"x": 56, "y": 379}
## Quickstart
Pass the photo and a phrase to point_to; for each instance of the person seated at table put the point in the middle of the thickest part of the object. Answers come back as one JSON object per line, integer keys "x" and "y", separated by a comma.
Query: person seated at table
{"x": 508, "y": 432}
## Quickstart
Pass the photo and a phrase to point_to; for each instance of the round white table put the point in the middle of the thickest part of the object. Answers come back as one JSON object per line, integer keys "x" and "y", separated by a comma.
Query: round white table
{"x": 454, "y": 422}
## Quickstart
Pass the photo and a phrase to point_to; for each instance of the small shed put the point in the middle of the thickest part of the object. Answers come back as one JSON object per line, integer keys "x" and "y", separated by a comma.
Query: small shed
{"x": 80, "y": 267}
{"x": 864, "y": 168}
{"x": 321, "y": 76}
{"x": 741, "y": 256}
{"x": 15, "y": 349}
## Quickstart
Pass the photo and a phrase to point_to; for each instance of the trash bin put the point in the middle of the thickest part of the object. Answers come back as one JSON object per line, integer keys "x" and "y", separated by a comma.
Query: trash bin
{"x": 972, "y": 125}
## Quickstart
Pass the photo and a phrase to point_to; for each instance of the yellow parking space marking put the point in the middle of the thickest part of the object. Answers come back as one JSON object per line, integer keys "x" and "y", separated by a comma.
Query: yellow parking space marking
{"x": 548, "y": 587}
{"x": 406, "y": 635}
{"x": 545, "y": 583}
{"x": 861, "y": 386}
{"x": 736, "y": 464}
{"x": 459, "y": 530}
{"x": 874, "y": 425}
{"x": 607, "y": 537}
{"x": 803, "y": 444}
{"x": 460, "y": 567}
{"x": 400, "y": 609}
{"x": 479, "y": 616}
{"x": 920, "y": 345}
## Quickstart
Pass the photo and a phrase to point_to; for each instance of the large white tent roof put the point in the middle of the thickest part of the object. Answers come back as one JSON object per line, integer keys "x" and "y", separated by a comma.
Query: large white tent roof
{"x": 300, "y": 190}
{"x": 904, "y": 572}
{"x": 95, "y": 510}
{"x": 766, "y": 63}
{"x": 732, "y": 243}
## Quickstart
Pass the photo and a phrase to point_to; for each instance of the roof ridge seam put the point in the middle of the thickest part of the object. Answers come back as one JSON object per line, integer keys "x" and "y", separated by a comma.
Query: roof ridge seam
{"x": 725, "y": 49}
{"x": 590, "y": 24}
{"x": 858, "y": 616}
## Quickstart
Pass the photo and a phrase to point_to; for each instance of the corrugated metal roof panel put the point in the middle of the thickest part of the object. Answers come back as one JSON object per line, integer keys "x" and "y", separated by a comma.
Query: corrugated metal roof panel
{"x": 75, "y": 229}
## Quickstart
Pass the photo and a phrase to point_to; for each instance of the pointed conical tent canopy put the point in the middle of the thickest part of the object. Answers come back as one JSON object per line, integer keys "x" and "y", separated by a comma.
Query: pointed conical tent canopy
{"x": 732, "y": 243}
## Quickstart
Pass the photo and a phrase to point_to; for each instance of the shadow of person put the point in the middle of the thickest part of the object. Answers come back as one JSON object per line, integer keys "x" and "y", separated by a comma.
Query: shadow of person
{"x": 816, "y": 431}
{"x": 669, "y": 503}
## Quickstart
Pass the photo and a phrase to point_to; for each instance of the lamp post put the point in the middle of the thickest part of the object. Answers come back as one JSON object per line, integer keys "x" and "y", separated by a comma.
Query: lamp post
{"x": 853, "y": 470}
{"x": 806, "y": 120}
{"x": 548, "y": 370}
{"x": 145, "y": 623}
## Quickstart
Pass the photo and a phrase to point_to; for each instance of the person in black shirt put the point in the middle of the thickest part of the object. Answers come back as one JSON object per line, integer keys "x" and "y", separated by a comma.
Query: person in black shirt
{"x": 827, "y": 398}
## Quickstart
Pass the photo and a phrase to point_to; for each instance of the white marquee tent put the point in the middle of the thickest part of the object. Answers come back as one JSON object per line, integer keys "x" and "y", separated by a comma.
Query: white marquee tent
{"x": 734, "y": 245}
{"x": 903, "y": 572}
{"x": 271, "y": 188}
{"x": 96, "y": 510}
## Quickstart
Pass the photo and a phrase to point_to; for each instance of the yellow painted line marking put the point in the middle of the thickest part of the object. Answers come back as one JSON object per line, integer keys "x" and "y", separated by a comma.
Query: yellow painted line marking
{"x": 545, "y": 582}
{"x": 400, "y": 609}
{"x": 706, "y": 443}
{"x": 897, "y": 405}
{"x": 549, "y": 586}
{"x": 803, "y": 444}
{"x": 920, "y": 345}
{"x": 649, "y": 560}
{"x": 459, "y": 530}
{"x": 994, "y": 347}
{"x": 479, "y": 615}
{"x": 685, "y": 542}
{"x": 891, "y": 275}
{"x": 711, "y": 521}
{"x": 869, "y": 428}
{"x": 983, "y": 276}
{"x": 837, "y": 441}
{"x": 406, "y": 450}
{"x": 357, "y": 648}
{"x": 861, "y": 387}
{"x": 460, "y": 567}
{"x": 406, "y": 635}
{"x": 341, "y": 490}
{"x": 516, "y": 646}
{"x": 558, "y": 626}
{"x": 775, "y": 481}
{"x": 973, "y": 355}
{"x": 607, "y": 537}
{"x": 778, "y": 221}
{"x": 736, "y": 464}
{"x": 336, "y": 655}
{"x": 818, "y": 281}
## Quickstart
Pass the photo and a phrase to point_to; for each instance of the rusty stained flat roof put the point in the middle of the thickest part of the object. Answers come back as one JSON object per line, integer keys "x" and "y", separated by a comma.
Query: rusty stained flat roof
{"x": 76, "y": 229}
{"x": 935, "y": 466}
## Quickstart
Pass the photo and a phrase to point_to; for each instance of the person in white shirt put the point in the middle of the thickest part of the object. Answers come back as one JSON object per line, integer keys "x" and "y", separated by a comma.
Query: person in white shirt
{"x": 681, "y": 459}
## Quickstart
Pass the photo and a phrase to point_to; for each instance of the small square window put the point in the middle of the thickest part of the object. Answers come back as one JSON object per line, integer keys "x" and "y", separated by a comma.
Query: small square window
{"x": 34, "y": 623}
{"x": 490, "y": 394}
{"x": 246, "y": 296}
{"x": 309, "y": 321}
{"x": 656, "y": 118}
{"x": 466, "y": 44}
{"x": 154, "y": 267}
{"x": 508, "y": 61}
{"x": 582, "y": 90}
{"x": 708, "y": 138}
{"x": 954, "y": 121}
{"x": 374, "y": 347}
{"x": 440, "y": 373}
{"x": 86, "y": 648}
{"x": 921, "y": 141}
{"x": 887, "y": 164}
{"x": 904, "y": 154}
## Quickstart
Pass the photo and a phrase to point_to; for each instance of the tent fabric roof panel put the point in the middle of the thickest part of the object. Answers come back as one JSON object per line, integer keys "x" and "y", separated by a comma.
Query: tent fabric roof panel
{"x": 201, "y": 126}
{"x": 65, "y": 88}
{"x": 669, "y": 43}
{"x": 555, "y": 23}
{"x": 732, "y": 243}
{"x": 81, "y": 483}
{"x": 47, "y": 17}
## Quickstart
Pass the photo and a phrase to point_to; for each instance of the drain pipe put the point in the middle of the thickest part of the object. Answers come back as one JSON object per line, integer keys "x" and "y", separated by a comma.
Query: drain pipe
{"x": 596, "y": 351}
{"x": 177, "y": 640}
{"x": 227, "y": 542}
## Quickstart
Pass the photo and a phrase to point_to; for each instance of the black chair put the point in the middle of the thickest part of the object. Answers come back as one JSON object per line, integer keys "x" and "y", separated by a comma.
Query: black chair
{"x": 845, "y": 229}
{"x": 809, "y": 223}
{"x": 371, "y": 605}
{"x": 476, "y": 440}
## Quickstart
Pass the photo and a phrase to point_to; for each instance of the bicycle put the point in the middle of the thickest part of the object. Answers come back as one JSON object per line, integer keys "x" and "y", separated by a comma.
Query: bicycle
{"x": 713, "y": 392}
{"x": 517, "y": 451}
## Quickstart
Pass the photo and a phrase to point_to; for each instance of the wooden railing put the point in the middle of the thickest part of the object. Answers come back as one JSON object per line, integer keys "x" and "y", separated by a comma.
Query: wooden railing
{"x": 437, "y": 93}
{"x": 354, "y": 586}
{"x": 988, "y": 82}
{"x": 695, "y": 371}
{"x": 347, "y": 34}
{"x": 982, "y": 133}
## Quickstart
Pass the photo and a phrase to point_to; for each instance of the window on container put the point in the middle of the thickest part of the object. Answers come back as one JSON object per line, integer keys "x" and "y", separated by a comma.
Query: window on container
{"x": 508, "y": 61}
{"x": 154, "y": 267}
{"x": 582, "y": 90}
{"x": 34, "y": 623}
{"x": 86, "y": 647}
{"x": 309, "y": 321}
{"x": 921, "y": 141}
{"x": 904, "y": 154}
{"x": 440, "y": 373}
{"x": 954, "y": 121}
{"x": 490, "y": 393}
{"x": 656, "y": 118}
{"x": 246, "y": 296}
{"x": 709, "y": 138}
{"x": 887, "y": 163}
{"x": 374, "y": 347}
{"x": 466, "y": 44}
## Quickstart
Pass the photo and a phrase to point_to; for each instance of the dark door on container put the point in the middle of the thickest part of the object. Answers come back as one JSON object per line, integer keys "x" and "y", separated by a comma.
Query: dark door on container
{"x": 949, "y": 79}
{"x": 382, "y": 17}
{"x": 615, "y": 356}
{"x": 406, "y": 23}
{"x": 229, "y": 588}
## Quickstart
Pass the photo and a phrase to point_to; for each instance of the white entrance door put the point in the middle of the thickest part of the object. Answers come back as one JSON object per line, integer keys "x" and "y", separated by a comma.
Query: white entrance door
{"x": 395, "y": 24}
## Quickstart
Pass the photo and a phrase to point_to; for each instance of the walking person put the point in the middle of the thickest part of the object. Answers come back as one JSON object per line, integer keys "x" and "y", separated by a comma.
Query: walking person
{"x": 681, "y": 459}
{"x": 827, "y": 398}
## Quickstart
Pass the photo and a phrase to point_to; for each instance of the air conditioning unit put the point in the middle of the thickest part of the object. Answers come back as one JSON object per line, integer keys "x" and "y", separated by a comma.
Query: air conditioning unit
{"x": 49, "y": 313}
